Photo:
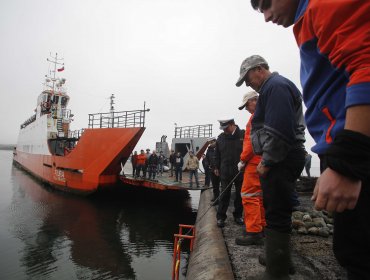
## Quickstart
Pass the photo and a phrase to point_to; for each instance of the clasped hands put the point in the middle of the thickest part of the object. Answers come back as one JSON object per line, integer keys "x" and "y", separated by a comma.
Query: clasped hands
{"x": 335, "y": 192}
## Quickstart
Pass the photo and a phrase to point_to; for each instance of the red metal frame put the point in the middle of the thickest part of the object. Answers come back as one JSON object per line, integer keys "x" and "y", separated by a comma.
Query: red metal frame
{"x": 177, "y": 248}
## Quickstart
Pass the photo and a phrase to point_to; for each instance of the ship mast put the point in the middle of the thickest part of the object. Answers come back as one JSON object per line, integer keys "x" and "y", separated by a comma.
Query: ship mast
{"x": 112, "y": 103}
{"x": 112, "y": 109}
{"x": 56, "y": 61}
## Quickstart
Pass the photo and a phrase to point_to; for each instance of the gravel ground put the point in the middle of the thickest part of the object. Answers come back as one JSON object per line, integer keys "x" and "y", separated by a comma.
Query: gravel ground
{"x": 312, "y": 255}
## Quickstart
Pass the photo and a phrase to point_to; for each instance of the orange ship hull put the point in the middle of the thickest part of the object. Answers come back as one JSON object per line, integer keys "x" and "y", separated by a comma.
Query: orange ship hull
{"x": 94, "y": 163}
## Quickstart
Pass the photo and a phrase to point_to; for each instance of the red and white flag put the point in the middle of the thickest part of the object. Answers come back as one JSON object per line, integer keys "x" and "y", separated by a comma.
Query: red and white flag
{"x": 61, "y": 69}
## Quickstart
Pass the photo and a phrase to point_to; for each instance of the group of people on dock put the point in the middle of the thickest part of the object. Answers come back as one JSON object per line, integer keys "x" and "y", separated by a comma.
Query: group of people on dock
{"x": 151, "y": 164}
{"x": 335, "y": 76}
{"x": 147, "y": 165}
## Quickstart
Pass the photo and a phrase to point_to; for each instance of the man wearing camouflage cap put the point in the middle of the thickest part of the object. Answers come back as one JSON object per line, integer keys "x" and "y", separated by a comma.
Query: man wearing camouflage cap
{"x": 278, "y": 136}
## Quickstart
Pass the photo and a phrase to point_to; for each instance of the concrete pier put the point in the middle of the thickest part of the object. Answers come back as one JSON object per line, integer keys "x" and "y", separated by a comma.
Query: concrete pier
{"x": 209, "y": 259}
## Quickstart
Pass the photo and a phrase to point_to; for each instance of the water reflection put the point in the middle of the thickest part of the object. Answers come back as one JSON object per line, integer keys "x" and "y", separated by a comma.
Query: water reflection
{"x": 111, "y": 235}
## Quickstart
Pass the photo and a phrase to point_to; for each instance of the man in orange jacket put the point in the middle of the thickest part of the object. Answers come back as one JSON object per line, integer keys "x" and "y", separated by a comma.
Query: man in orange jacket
{"x": 140, "y": 161}
{"x": 251, "y": 193}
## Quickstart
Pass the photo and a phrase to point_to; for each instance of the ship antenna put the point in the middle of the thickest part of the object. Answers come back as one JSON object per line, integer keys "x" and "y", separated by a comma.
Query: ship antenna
{"x": 56, "y": 61}
{"x": 112, "y": 109}
{"x": 112, "y": 103}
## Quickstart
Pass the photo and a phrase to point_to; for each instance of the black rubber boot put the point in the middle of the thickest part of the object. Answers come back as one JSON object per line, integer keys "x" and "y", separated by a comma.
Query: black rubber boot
{"x": 277, "y": 248}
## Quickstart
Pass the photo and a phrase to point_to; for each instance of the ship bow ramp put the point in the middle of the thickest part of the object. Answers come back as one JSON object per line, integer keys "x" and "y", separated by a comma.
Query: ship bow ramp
{"x": 99, "y": 154}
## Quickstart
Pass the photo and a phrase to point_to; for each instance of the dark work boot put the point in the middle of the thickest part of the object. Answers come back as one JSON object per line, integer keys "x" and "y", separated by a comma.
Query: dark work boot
{"x": 250, "y": 238}
{"x": 277, "y": 248}
{"x": 239, "y": 221}
{"x": 262, "y": 261}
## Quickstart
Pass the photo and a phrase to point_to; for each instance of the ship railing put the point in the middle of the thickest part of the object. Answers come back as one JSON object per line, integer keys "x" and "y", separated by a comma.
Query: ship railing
{"x": 179, "y": 238}
{"x": 195, "y": 131}
{"x": 135, "y": 118}
{"x": 66, "y": 115}
{"x": 76, "y": 133}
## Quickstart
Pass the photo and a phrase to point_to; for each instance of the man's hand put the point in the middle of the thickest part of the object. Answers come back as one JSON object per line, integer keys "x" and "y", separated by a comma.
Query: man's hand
{"x": 262, "y": 170}
{"x": 241, "y": 165}
{"x": 335, "y": 192}
{"x": 217, "y": 172}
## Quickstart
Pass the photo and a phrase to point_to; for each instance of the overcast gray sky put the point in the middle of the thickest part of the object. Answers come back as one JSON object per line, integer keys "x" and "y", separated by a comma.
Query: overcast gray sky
{"x": 180, "y": 56}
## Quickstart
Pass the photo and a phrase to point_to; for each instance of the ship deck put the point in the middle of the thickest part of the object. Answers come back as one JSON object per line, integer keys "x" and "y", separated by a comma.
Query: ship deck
{"x": 163, "y": 182}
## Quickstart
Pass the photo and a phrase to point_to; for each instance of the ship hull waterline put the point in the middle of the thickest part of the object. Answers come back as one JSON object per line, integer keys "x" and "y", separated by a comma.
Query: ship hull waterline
{"x": 94, "y": 163}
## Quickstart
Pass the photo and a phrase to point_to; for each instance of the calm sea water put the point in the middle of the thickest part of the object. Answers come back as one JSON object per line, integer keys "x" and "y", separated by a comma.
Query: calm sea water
{"x": 45, "y": 234}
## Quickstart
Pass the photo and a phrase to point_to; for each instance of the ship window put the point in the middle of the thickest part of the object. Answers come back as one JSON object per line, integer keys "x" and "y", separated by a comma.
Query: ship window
{"x": 64, "y": 101}
{"x": 55, "y": 99}
{"x": 46, "y": 97}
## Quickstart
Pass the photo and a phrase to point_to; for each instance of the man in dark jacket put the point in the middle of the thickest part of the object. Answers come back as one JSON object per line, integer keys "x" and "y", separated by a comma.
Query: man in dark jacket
{"x": 229, "y": 145}
{"x": 134, "y": 163}
{"x": 153, "y": 165}
{"x": 278, "y": 136}
{"x": 172, "y": 162}
{"x": 179, "y": 162}
{"x": 211, "y": 159}
{"x": 205, "y": 164}
{"x": 146, "y": 167}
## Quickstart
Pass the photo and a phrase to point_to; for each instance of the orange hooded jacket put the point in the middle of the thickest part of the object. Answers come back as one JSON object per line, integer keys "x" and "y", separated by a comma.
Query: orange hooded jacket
{"x": 247, "y": 155}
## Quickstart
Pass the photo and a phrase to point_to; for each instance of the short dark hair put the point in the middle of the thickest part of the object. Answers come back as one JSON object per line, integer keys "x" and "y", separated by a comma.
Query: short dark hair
{"x": 255, "y": 4}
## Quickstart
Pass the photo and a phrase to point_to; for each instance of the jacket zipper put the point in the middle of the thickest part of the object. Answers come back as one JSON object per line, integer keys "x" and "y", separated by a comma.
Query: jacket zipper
{"x": 326, "y": 112}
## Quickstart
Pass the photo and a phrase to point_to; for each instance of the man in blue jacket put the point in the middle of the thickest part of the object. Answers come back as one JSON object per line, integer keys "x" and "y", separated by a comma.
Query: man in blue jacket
{"x": 278, "y": 136}
{"x": 334, "y": 43}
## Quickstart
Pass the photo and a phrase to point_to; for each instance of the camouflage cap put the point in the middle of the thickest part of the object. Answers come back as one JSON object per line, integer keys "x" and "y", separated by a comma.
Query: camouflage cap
{"x": 248, "y": 64}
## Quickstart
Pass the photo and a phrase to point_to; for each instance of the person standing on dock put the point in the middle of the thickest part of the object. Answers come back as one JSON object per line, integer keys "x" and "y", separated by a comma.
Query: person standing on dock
{"x": 215, "y": 179}
{"x": 172, "y": 161}
{"x": 278, "y": 136}
{"x": 334, "y": 43}
{"x": 146, "y": 168}
{"x": 254, "y": 212}
{"x": 134, "y": 162}
{"x": 140, "y": 164}
{"x": 179, "y": 162}
{"x": 207, "y": 172}
{"x": 161, "y": 160}
{"x": 192, "y": 165}
{"x": 153, "y": 165}
{"x": 229, "y": 145}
